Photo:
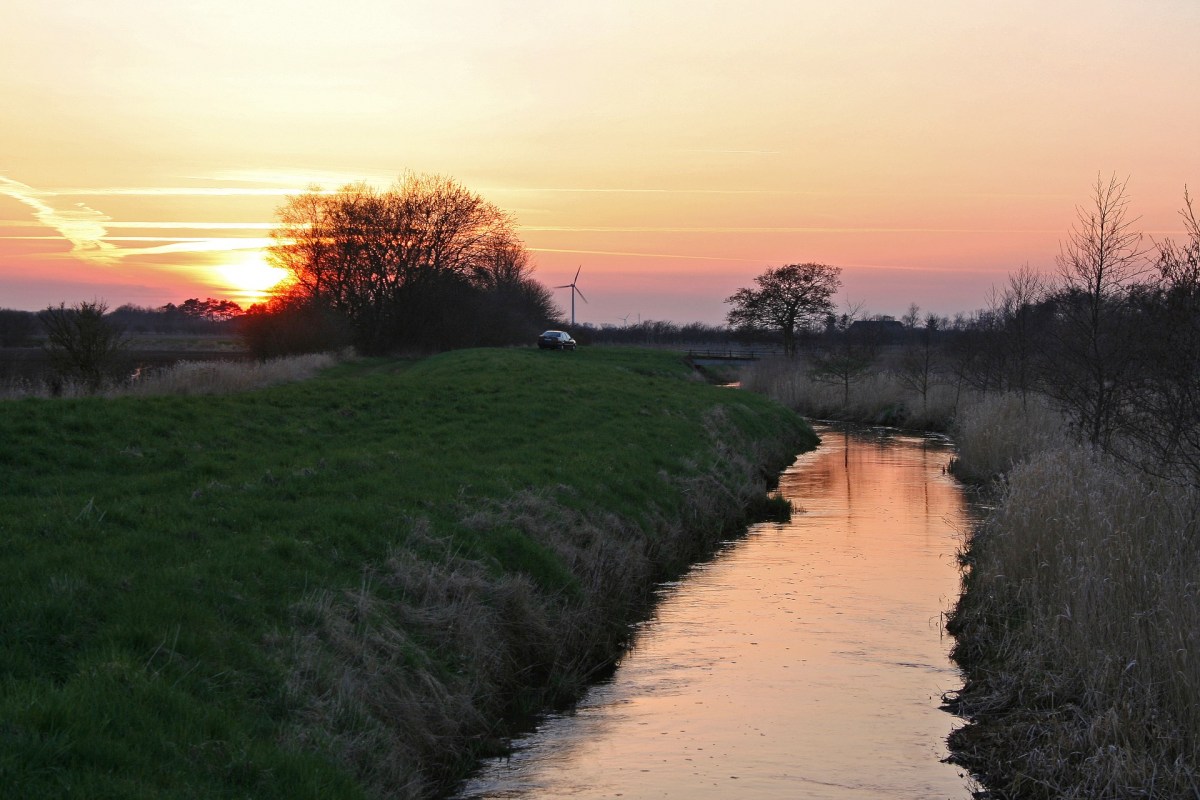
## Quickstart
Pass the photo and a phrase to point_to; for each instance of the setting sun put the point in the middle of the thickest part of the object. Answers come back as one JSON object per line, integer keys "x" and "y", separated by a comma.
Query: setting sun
{"x": 250, "y": 278}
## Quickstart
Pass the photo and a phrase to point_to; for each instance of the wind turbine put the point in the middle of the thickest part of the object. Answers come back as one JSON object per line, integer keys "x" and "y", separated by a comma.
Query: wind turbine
{"x": 574, "y": 291}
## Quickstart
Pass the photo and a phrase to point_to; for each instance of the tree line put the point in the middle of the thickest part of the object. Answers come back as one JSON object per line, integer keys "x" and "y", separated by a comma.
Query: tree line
{"x": 192, "y": 316}
{"x": 1112, "y": 338}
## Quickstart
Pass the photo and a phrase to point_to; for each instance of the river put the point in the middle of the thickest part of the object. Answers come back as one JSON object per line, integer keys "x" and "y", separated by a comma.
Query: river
{"x": 806, "y": 660}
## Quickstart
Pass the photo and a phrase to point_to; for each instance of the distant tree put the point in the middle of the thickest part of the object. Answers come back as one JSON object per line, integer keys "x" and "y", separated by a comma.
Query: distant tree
{"x": 658, "y": 332}
{"x": 1024, "y": 323}
{"x": 786, "y": 299}
{"x": 209, "y": 309}
{"x": 82, "y": 344}
{"x": 847, "y": 352}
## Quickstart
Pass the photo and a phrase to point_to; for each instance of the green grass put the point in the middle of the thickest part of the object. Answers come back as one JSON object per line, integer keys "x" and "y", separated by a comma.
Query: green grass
{"x": 163, "y": 556}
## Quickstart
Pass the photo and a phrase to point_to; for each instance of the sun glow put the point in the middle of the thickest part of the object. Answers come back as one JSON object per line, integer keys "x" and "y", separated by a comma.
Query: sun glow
{"x": 250, "y": 277}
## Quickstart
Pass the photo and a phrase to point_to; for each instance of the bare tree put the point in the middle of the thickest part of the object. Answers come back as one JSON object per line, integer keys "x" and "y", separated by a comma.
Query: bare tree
{"x": 921, "y": 360}
{"x": 1165, "y": 420}
{"x": 1091, "y": 360}
{"x": 846, "y": 354}
{"x": 1021, "y": 327}
{"x": 787, "y": 299}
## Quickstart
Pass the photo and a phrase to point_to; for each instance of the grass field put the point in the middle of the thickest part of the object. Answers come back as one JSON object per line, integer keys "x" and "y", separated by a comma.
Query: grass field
{"x": 342, "y": 587}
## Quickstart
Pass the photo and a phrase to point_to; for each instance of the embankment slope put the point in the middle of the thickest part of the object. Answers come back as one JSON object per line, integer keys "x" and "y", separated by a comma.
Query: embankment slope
{"x": 344, "y": 587}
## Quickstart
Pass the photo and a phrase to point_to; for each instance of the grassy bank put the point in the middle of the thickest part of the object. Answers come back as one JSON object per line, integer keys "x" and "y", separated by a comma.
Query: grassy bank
{"x": 342, "y": 587}
{"x": 1079, "y": 624}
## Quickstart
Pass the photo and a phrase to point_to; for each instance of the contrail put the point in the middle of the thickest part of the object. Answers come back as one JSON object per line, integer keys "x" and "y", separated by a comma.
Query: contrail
{"x": 83, "y": 227}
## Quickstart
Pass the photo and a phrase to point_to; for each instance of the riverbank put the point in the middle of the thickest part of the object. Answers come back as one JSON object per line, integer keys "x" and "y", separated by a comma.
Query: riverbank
{"x": 1078, "y": 626}
{"x": 344, "y": 587}
{"x": 769, "y": 670}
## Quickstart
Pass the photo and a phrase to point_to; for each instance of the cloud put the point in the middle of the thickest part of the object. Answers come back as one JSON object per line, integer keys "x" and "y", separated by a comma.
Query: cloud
{"x": 787, "y": 229}
{"x": 640, "y": 255}
{"x": 192, "y": 245}
{"x": 196, "y": 226}
{"x": 169, "y": 191}
{"x": 82, "y": 226}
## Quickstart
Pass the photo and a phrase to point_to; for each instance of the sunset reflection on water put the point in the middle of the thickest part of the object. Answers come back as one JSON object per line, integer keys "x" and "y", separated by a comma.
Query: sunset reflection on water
{"x": 805, "y": 661}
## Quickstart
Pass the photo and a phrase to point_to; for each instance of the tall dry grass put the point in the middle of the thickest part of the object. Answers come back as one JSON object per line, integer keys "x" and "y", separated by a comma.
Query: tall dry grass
{"x": 997, "y": 431}
{"x": 1079, "y": 626}
{"x": 878, "y": 397}
{"x": 225, "y": 377}
{"x": 186, "y": 378}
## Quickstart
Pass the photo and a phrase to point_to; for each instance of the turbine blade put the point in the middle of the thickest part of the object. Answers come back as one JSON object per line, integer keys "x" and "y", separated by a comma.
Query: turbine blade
{"x": 566, "y": 286}
{"x": 581, "y": 297}
{"x": 577, "y": 273}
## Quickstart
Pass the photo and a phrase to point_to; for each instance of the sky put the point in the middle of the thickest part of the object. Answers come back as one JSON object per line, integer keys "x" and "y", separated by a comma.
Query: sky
{"x": 671, "y": 150}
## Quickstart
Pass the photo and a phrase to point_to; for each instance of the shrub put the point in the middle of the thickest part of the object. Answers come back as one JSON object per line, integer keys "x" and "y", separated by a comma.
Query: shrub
{"x": 83, "y": 345}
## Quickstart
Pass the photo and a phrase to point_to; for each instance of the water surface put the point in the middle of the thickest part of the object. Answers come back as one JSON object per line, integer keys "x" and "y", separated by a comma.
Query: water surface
{"x": 806, "y": 660}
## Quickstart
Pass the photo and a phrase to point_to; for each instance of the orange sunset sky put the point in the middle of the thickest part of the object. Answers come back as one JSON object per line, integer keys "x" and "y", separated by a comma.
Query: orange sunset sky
{"x": 673, "y": 149}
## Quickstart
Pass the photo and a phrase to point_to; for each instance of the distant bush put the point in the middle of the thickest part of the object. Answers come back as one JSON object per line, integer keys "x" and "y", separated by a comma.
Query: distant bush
{"x": 83, "y": 345}
{"x": 287, "y": 327}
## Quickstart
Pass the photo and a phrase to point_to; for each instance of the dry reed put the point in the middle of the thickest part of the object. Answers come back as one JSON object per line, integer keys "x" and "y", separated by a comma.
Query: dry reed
{"x": 995, "y": 432}
{"x": 187, "y": 378}
{"x": 1079, "y": 629}
{"x": 878, "y": 397}
{"x": 225, "y": 377}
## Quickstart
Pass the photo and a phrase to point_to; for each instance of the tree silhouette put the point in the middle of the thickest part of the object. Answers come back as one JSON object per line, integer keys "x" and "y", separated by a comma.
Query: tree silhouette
{"x": 402, "y": 267}
{"x": 786, "y": 299}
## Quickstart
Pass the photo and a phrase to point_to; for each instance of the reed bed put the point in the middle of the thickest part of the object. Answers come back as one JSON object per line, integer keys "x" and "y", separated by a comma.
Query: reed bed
{"x": 1079, "y": 624}
{"x": 878, "y": 397}
{"x": 997, "y": 431}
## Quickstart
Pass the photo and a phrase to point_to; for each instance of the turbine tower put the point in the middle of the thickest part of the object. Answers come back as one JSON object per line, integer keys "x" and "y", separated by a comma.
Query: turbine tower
{"x": 574, "y": 291}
